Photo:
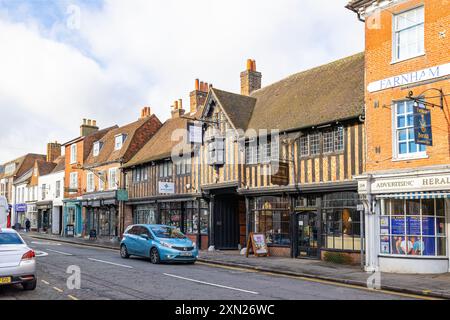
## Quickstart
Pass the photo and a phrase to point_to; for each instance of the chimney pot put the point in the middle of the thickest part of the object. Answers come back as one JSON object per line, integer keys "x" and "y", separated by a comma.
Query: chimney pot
{"x": 94, "y": 122}
{"x": 197, "y": 84}
{"x": 254, "y": 65}
{"x": 249, "y": 64}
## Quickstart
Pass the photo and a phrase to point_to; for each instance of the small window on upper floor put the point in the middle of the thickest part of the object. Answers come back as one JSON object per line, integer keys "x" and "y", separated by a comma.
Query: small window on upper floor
{"x": 404, "y": 141}
{"x": 73, "y": 153}
{"x": 409, "y": 36}
{"x": 97, "y": 147}
{"x": 118, "y": 141}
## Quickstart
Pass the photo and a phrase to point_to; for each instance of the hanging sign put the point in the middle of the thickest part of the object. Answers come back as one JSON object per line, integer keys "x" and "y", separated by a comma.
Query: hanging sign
{"x": 257, "y": 244}
{"x": 422, "y": 126}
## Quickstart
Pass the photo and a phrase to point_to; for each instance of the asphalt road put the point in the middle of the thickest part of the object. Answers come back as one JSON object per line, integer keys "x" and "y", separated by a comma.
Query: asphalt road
{"x": 104, "y": 275}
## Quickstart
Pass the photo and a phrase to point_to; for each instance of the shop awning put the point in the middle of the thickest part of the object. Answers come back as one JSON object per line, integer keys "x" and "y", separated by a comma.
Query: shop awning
{"x": 416, "y": 195}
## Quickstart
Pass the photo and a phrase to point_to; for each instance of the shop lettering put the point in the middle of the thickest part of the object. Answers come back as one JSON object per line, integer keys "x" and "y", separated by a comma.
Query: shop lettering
{"x": 395, "y": 184}
{"x": 436, "y": 181}
{"x": 408, "y": 78}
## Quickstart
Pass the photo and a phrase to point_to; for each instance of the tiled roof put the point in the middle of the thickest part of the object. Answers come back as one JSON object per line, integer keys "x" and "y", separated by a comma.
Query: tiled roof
{"x": 238, "y": 107}
{"x": 107, "y": 153}
{"x": 60, "y": 164}
{"x": 45, "y": 167}
{"x": 160, "y": 145}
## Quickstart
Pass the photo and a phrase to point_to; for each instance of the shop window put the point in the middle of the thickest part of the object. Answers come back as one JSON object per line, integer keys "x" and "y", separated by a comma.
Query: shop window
{"x": 271, "y": 217}
{"x": 192, "y": 214}
{"x": 171, "y": 214}
{"x": 145, "y": 215}
{"x": 409, "y": 36}
{"x": 341, "y": 221}
{"x": 404, "y": 132}
{"x": 413, "y": 227}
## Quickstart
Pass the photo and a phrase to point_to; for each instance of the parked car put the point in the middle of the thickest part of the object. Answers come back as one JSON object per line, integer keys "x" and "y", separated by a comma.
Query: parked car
{"x": 160, "y": 243}
{"x": 17, "y": 261}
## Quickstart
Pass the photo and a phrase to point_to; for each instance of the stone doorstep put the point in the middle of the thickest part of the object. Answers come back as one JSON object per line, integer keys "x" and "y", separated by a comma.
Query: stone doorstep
{"x": 359, "y": 283}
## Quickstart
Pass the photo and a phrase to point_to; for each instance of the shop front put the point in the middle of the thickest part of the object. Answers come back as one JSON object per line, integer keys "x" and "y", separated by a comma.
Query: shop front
{"x": 407, "y": 221}
{"x": 44, "y": 216}
{"x": 190, "y": 216}
{"x": 21, "y": 210}
{"x": 323, "y": 226}
{"x": 101, "y": 214}
{"x": 73, "y": 224}
{"x": 32, "y": 215}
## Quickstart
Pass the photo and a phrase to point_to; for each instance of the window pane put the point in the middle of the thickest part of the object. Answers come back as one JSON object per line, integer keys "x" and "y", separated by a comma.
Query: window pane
{"x": 413, "y": 207}
{"x": 401, "y": 122}
{"x": 441, "y": 247}
{"x": 428, "y": 207}
{"x": 440, "y": 207}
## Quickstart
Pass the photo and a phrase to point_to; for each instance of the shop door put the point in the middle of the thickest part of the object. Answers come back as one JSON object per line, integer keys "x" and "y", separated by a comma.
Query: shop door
{"x": 307, "y": 234}
{"x": 226, "y": 222}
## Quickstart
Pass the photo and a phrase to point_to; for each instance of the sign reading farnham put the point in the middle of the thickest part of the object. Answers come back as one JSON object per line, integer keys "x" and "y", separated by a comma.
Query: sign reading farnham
{"x": 411, "y": 77}
{"x": 422, "y": 126}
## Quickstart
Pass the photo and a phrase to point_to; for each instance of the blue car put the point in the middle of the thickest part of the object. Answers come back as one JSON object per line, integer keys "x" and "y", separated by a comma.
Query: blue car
{"x": 160, "y": 243}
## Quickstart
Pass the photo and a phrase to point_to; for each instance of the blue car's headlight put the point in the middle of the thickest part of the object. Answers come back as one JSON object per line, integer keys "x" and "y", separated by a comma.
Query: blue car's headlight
{"x": 165, "y": 244}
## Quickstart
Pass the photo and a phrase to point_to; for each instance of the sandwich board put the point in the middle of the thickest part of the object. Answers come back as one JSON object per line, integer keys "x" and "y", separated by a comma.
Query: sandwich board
{"x": 257, "y": 244}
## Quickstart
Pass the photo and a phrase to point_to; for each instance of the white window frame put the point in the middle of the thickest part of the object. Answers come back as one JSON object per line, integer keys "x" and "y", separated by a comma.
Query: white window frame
{"x": 90, "y": 183}
{"x": 73, "y": 182}
{"x": 113, "y": 181}
{"x": 73, "y": 153}
{"x": 395, "y": 135}
{"x": 118, "y": 141}
{"x": 101, "y": 183}
{"x": 96, "y": 149}
{"x": 396, "y": 33}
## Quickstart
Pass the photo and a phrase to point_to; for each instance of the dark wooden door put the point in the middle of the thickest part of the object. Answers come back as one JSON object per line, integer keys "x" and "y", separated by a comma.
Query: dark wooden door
{"x": 226, "y": 222}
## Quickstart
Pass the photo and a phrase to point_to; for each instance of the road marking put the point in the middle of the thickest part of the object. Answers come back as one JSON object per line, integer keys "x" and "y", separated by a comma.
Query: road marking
{"x": 45, "y": 243}
{"x": 60, "y": 252}
{"x": 210, "y": 284}
{"x": 41, "y": 253}
{"x": 112, "y": 263}
{"x": 328, "y": 282}
{"x": 72, "y": 297}
{"x": 58, "y": 289}
{"x": 43, "y": 281}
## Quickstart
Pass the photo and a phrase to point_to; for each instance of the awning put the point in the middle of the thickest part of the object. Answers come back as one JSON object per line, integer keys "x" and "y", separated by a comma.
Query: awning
{"x": 416, "y": 195}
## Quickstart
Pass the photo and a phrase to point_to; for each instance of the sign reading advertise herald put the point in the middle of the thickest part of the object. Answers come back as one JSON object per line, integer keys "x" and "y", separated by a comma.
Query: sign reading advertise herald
{"x": 422, "y": 126}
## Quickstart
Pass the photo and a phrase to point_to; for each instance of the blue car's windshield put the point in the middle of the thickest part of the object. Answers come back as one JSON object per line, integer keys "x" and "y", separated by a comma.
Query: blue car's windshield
{"x": 167, "y": 233}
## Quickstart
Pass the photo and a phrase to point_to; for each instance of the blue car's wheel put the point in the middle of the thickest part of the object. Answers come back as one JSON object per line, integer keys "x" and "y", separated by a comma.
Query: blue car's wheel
{"x": 124, "y": 252}
{"x": 154, "y": 256}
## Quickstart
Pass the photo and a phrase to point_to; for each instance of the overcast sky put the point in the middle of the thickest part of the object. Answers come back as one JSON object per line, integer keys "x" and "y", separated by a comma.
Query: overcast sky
{"x": 62, "y": 61}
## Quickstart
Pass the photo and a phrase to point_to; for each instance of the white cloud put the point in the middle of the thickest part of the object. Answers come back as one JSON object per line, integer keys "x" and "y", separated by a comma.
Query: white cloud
{"x": 143, "y": 52}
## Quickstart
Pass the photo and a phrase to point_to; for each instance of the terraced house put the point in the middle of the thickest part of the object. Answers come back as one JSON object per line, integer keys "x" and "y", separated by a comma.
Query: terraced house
{"x": 406, "y": 187}
{"x": 76, "y": 153}
{"x": 277, "y": 160}
{"x": 102, "y": 183}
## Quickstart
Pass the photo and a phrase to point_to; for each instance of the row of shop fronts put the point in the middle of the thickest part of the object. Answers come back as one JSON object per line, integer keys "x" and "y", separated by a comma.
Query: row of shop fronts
{"x": 44, "y": 217}
{"x": 304, "y": 225}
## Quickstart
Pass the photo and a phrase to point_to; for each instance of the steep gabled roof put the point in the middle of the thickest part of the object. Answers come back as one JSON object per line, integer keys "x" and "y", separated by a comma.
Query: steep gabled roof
{"x": 238, "y": 108}
{"x": 24, "y": 178}
{"x": 329, "y": 93}
{"x": 45, "y": 167}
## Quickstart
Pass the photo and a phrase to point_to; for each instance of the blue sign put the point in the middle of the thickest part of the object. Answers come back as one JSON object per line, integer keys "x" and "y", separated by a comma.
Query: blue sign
{"x": 422, "y": 126}
{"x": 21, "y": 207}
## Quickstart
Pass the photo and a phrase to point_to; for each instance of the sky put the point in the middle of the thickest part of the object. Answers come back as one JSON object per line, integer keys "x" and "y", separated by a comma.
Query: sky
{"x": 65, "y": 60}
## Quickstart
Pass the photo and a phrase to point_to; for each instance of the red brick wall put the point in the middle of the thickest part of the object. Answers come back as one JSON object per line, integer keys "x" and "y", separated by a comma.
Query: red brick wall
{"x": 379, "y": 66}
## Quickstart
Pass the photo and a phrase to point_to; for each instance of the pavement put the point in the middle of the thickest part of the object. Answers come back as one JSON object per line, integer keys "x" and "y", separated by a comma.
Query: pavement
{"x": 437, "y": 286}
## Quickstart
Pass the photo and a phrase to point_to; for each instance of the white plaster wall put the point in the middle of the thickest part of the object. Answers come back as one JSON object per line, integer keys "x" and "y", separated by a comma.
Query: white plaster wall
{"x": 412, "y": 265}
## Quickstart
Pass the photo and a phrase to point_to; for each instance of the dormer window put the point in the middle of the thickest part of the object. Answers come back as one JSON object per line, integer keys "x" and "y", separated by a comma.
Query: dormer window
{"x": 97, "y": 147}
{"x": 119, "y": 140}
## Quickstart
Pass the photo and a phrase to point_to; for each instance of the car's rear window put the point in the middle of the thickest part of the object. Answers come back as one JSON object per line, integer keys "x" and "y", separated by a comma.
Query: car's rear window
{"x": 10, "y": 238}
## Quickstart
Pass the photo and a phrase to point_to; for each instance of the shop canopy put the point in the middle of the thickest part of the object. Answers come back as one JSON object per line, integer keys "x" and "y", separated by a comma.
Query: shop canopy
{"x": 416, "y": 195}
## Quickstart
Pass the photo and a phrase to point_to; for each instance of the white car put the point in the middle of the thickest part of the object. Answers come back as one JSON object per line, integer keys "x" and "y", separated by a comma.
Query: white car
{"x": 17, "y": 261}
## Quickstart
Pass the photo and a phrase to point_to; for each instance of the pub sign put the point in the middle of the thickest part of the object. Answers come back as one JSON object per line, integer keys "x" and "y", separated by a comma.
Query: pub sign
{"x": 422, "y": 126}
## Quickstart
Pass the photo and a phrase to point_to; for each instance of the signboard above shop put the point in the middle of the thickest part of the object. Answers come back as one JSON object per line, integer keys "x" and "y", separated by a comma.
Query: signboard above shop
{"x": 410, "y": 78}
{"x": 166, "y": 187}
{"x": 422, "y": 126}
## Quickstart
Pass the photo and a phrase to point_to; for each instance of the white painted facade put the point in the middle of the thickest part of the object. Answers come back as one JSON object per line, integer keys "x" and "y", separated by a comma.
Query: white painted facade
{"x": 51, "y": 189}
{"x": 412, "y": 184}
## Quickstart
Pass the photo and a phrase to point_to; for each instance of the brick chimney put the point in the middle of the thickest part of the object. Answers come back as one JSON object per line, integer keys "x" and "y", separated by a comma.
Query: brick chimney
{"x": 89, "y": 126}
{"x": 198, "y": 96}
{"x": 53, "y": 151}
{"x": 250, "y": 78}
{"x": 177, "y": 109}
{"x": 146, "y": 112}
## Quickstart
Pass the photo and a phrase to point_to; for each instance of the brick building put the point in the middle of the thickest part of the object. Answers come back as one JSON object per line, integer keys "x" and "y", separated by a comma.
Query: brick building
{"x": 103, "y": 182}
{"x": 76, "y": 153}
{"x": 407, "y": 182}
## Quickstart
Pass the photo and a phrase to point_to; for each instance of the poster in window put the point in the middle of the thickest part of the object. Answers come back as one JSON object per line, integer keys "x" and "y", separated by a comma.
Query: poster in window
{"x": 398, "y": 225}
{"x": 384, "y": 222}
{"x": 413, "y": 226}
{"x": 385, "y": 245}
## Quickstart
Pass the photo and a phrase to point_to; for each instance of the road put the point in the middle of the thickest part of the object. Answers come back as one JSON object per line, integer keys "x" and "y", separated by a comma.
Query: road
{"x": 104, "y": 276}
